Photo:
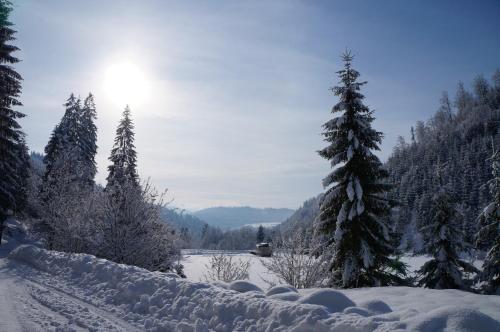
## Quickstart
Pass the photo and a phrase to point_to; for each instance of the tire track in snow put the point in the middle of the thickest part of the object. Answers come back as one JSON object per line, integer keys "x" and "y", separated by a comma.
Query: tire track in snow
{"x": 78, "y": 312}
{"x": 8, "y": 316}
{"x": 29, "y": 303}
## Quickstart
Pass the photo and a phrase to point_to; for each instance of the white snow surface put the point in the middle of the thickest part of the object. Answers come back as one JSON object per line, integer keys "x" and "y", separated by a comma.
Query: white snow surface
{"x": 53, "y": 291}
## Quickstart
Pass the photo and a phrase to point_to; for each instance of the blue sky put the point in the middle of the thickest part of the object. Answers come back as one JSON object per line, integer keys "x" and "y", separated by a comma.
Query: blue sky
{"x": 238, "y": 90}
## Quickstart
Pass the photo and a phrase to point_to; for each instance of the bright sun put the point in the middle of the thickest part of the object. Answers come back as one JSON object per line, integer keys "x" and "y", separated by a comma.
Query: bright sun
{"x": 125, "y": 83}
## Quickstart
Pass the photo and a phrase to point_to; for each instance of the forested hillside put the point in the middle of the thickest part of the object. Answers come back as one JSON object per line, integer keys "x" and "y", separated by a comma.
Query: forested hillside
{"x": 303, "y": 217}
{"x": 188, "y": 226}
{"x": 456, "y": 145}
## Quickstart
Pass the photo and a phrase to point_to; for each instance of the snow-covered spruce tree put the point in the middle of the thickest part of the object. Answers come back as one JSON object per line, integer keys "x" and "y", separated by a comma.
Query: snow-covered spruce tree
{"x": 64, "y": 139}
{"x": 11, "y": 136}
{"x": 133, "y": 230}
{"x": 61, "y": 187}
{"x": 75, "y": 135}
{"x": 488, "y": 236}
{"x": 88, "y": 140}
{"x": 354, "y": 211}
{"x": 123, "y": 170}
{"x": 445, "y": 242}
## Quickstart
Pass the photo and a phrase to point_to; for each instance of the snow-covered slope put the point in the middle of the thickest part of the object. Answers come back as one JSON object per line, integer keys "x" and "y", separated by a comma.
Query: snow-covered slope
{"x": 119, "y": 297}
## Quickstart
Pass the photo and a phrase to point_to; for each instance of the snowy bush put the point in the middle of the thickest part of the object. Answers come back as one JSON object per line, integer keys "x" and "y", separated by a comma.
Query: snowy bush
{"x": 69, "y": 212}
{"x": 128, "y": 230}
{"x": 293, "y": 263}
{"x": 223, "y": 267}
{"x": 133, "y": 231}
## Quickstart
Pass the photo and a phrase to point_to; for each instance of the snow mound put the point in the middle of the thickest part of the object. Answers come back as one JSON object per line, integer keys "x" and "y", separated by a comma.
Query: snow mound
{"x": 280, "y": 289}
{"x": 244, "y": 286}
{"x": 154, "y": 301}
{"x": 376, "y": 306}
{"x": 289, "y": 296}
{"x": 356, "y": 310}
{"x": 453, "y": 318}
{"x": 333, "y": 300}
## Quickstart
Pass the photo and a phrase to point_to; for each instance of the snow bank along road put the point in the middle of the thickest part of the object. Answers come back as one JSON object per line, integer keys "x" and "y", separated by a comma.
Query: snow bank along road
{"x": 45, "y": 290}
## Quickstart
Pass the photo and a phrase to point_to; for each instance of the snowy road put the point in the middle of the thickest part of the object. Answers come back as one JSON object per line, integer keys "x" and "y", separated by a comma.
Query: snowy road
{"x": 29, "y": 304}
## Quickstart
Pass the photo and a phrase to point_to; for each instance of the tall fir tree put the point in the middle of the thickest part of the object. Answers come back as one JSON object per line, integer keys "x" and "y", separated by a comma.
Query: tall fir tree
{"x": 488, "y": 236}
{"x": 11, "y": 136}
{"x": 88, "y": 140}
{"x": 64, "y": 141}
{"x": 354, "y": 212}
{"x": 445, "y": 242}
{"x": 123, "y": 170}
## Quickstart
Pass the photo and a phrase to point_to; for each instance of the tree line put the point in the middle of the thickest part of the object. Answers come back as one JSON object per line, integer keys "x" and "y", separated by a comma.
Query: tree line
{"x": 56, "y": 194}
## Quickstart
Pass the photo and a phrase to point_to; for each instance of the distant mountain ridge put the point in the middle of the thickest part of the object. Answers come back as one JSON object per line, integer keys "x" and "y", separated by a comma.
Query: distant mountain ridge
{"x": 235, "y": 217}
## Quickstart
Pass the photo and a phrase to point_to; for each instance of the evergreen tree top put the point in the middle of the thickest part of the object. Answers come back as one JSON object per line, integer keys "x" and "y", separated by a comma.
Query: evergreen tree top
{"x": 71, "y": 102}
{"x": 348, "y": 90}
{"x": 123, "y": 155}
{"x": 89, "y": 103}
{"x": 5, "y": 9}
{"x": 125, "y": 127}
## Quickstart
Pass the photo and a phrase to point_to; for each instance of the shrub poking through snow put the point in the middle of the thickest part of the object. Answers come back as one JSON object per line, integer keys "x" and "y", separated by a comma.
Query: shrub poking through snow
{"x": 293, "y": 263}
{"x": 354, "y": 211}
{"x": 226, "y": 268}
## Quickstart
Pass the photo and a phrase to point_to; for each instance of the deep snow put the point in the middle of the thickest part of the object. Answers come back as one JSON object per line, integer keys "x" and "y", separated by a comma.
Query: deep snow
{"x": 80, "y": 291}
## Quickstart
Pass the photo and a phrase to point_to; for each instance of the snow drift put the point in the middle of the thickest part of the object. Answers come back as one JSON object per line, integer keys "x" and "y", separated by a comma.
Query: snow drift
{"x": 156, "y": 301}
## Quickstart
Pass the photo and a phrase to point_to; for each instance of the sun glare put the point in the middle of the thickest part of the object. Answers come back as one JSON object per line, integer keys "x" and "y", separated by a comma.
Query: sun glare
{"x": 125, "y": 83}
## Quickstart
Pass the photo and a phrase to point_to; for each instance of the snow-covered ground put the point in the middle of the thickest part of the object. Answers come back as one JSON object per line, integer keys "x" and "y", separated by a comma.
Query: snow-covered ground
{"x": 77, "y": 290}
{"x": 195, "y": 261}
{"x": 50, "y": 291}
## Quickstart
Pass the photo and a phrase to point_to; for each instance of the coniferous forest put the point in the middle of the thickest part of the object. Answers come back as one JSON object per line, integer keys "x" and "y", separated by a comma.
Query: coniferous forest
{"x": 460, "y": 140}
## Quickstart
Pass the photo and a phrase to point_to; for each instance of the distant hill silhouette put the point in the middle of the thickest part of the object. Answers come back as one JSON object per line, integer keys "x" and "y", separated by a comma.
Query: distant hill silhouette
{"x": 235, "y": 217}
